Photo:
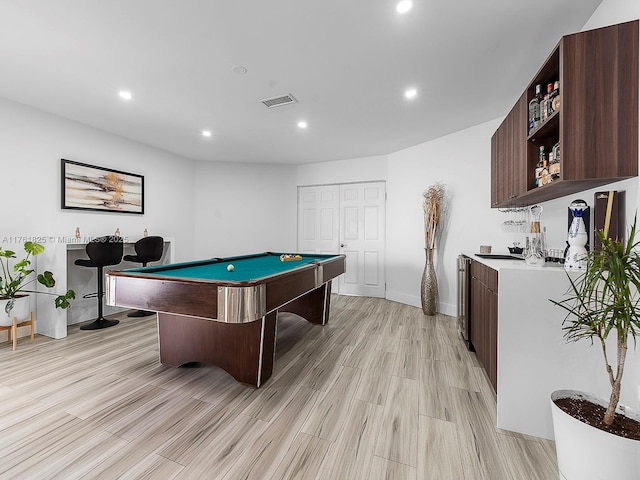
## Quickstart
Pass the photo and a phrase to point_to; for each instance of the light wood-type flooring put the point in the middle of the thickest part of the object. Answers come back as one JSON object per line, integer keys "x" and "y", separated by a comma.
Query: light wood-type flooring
{"x": 381, "y": 392}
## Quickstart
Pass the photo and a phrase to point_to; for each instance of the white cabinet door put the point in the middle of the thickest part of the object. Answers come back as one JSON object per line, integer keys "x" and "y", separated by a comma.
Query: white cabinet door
{"x": 349, "y": 219}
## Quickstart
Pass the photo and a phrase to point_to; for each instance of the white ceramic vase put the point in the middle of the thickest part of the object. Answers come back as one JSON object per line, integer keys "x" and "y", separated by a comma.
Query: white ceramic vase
{"x": 20, "y": 310}
{"x": 588, "y": 453}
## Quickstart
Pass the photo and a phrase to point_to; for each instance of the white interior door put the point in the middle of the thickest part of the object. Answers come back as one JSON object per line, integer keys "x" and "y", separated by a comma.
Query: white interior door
{"x": 349, "y": 219}
{"x": 318, "y": 219}
{"x": 362, "y": 220}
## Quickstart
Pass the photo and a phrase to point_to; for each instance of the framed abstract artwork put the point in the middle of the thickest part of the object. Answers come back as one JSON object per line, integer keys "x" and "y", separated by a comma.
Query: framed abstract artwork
{"x": 87, "y": 187}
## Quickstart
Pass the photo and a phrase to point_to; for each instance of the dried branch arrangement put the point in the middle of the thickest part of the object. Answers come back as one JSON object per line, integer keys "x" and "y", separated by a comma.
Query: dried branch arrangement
{"x": 432, "y": 203}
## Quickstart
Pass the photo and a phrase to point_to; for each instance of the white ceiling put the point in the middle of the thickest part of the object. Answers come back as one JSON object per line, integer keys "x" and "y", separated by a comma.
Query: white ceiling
{"x": 346, "y": 62}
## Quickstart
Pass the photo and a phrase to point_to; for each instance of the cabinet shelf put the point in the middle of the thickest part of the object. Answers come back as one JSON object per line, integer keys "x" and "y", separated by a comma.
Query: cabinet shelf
{"x": 550, "y": 128}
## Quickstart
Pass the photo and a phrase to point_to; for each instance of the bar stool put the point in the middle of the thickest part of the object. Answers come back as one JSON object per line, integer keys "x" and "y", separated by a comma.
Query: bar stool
{"x": 102, "y": 252}
{"x": 148, "y": 249}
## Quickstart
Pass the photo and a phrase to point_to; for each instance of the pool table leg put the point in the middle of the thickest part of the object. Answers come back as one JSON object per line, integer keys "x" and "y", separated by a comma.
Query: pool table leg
{"x": 244, "y": 350}
{"x": 313, "y": 306}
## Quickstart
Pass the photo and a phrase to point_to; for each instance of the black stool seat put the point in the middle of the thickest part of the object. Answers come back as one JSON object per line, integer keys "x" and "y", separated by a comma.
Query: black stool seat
{"x": 148, "y": 249}
{"x": 102, "y": 252}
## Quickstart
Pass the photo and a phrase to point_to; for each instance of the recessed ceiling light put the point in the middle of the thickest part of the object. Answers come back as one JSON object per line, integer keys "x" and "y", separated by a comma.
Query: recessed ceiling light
{"x": 206, "y": 133}
{"x": 125, "y": 95}
{"x": 410, "y": 93}
{"x": 302, "y": 124}
{"x": 404, "y": 6}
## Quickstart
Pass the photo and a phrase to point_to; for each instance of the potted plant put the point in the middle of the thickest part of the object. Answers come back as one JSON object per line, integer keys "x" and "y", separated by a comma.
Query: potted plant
{"x": 598, "y": 438}
{"x": 14, "y": 283}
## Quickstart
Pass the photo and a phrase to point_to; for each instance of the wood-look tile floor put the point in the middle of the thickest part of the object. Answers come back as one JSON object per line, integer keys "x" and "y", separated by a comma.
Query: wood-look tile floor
{"x": 380, "y": 392}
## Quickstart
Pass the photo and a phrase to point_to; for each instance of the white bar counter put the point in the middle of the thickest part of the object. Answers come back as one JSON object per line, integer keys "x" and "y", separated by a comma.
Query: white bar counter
{"x": 533, "y": 357}
{"x": 59, "y": 257}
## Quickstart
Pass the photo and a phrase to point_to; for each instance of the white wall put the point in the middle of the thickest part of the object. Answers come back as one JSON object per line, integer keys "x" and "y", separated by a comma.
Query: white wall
{"x": 31, "y": 145}
{"x": 363, "y": 169}
{"x": 613, "y": 11}
{"x": 242, "y": 208}
{"x": 462, "y": 162}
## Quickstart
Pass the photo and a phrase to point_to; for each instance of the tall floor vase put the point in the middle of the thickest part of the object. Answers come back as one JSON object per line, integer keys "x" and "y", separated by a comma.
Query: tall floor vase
{"x": 429, "y": 287}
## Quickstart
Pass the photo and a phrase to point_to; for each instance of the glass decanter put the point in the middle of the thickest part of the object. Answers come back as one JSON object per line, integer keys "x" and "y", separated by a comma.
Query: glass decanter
{"x": 535, "y": 254}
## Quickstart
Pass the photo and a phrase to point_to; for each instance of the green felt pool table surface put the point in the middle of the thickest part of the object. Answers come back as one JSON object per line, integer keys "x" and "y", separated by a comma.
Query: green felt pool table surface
{"x": 247, "y": 268}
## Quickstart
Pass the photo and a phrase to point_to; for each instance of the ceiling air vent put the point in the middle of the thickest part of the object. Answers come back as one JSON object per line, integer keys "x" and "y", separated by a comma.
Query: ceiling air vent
{"x": 279, "y": 101}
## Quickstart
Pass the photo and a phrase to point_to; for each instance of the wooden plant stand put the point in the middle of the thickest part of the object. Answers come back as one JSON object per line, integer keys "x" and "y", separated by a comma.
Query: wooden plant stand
{"x": 13, "y": 330}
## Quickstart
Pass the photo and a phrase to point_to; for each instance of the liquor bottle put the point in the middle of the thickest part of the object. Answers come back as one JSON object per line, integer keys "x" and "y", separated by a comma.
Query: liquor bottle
{"x": 540, "y": 167}
{"x": 554, "y": 161}
{"x": 534, "y": 109}
{"x": 545, "y": 175}
{"x": 544, "y": 105}
{"x": 546, "y": 113}
{"x": 555, "y": 97}
{"x": 542, "y": 160}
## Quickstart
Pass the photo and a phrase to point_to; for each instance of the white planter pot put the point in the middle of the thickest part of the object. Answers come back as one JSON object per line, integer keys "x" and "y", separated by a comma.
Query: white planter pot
{"x": 588, "y": 453}
{"x": 20, "y": 310}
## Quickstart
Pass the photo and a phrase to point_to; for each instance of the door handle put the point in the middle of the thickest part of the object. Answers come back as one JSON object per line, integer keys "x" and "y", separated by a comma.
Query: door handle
{"x": 342, "y": 245}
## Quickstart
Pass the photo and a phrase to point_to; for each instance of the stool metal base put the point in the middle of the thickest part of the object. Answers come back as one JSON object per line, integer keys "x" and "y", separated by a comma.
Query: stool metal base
{"x": 99, "y": 323}
{"x": 140, "y": 313}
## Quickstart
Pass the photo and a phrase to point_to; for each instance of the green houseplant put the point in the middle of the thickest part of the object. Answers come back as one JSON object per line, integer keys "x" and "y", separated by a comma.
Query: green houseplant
{"x": 603, "y": 301}
{"x": 15, "y": 281}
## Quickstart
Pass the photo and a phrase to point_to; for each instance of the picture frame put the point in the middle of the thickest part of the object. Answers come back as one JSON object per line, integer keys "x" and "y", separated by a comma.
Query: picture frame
{"x": 100, "y": 189}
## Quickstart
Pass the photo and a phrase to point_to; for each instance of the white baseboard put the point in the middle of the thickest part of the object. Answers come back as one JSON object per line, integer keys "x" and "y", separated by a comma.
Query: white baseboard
{"x": 414, "y": 300}
{"x": 448, "y": 309}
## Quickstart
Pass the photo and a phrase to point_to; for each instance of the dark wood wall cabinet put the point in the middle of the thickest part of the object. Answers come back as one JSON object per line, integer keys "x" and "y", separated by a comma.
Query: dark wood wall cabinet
{"x": 596, "y": 123}
{"x": 483, "y": 318}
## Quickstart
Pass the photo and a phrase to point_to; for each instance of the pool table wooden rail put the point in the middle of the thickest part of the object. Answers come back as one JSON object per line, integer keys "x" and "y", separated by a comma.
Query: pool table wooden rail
{"x": 223, "y": 301}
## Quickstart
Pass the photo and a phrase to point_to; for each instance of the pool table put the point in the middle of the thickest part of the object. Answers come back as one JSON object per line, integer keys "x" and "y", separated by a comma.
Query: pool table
{"x": 212, "y": 313}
